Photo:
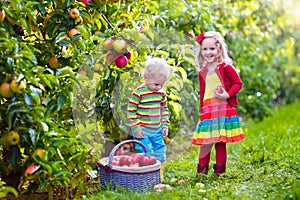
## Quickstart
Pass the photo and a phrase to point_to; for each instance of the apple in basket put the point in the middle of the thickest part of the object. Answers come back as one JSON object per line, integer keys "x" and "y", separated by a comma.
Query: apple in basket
{"x": 125, "y": 160}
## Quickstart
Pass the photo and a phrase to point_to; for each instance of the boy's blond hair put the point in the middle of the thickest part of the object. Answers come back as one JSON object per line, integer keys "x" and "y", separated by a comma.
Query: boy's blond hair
{"x": 220, "y": 42}
{"x": 158, "y": 66}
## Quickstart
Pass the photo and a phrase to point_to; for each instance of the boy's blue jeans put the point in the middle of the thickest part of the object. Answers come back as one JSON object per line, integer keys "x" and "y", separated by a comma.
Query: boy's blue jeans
{"x": 154, "y": 143}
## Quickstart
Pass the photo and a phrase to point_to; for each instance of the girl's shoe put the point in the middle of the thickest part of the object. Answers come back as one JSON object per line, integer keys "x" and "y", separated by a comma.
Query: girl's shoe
{"x": 219, "y": 169}
{"x": 202, "y": 169}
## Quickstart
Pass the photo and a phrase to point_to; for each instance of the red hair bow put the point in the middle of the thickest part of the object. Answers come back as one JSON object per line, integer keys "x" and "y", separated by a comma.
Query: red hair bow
{"x": 200, "y": 37}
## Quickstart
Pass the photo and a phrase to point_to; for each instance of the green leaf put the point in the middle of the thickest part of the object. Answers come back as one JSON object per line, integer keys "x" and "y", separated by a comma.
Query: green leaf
{"x": 61, "y": 101}
{"x": 63, "y": 172}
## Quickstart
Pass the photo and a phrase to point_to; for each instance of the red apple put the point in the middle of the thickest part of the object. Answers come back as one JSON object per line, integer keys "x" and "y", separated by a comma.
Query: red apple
{"x": 152, "y": 160}
{"x": 125, "y": 160}
{"x": 2, "y": 15}
{"x": 181, "y": 182}
{"x": 86, "y": 2}
{"x": 73, "y": 32}
{"x": 31, "y": 170}
{"x": 120, "y": 152}
{"x": 53, "y": 63}
{"x": 219, "y": 89}
{"x": 121, "y": 61}
{"x": 128, "y": 55}
{"x": 107, "y": 44}
{"x": 138, "y": 158}
{"x": 111, "y": 56}
{"x": 119, "y": 45}
{"x": 74, "y": 13}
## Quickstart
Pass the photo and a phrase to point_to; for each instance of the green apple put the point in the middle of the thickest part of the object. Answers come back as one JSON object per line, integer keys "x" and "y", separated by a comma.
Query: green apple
{"x": 119, "y": 45}
{"x": 10, "y": 139}
{"x": 107, "y": 44}
{"x": 41, "y": 153}
{"x": 18, "y": 86}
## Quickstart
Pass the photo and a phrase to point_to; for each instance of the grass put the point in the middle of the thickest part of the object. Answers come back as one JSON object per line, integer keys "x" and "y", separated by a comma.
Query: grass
{"x": 263, "y": 166}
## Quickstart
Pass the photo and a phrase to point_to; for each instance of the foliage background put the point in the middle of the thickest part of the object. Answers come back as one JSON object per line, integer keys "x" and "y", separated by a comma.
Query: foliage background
{"x": 262, "y": 37}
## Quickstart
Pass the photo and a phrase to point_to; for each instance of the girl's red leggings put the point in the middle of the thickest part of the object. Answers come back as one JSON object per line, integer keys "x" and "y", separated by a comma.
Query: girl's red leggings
{"x": 205, "y": 150}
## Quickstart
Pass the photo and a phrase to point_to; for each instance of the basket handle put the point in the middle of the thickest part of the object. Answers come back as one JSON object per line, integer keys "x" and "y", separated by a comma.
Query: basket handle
{"x": 113, "y": 151}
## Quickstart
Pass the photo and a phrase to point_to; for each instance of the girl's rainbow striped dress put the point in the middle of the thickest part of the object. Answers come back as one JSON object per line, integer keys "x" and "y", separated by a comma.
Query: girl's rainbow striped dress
{"x": 219, "y": 122}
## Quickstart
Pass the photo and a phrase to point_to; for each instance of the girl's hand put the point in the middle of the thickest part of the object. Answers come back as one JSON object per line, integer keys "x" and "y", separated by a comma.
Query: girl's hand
{"x": 221, "y": 93}
{"x": 165, "y": 132}
{"x": 139, "y": 134}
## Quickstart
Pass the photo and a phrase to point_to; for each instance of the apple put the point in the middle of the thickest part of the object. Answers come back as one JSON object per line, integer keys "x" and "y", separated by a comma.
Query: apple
{"x": 111, "y": 56}
{"x": 121, "y": 61}
{"x": 2, "y": 15}
{"x": 54, "y": 63}
{"x": 41, "y": 153}
{"x": 74, "y": 13}
{"x": 107, "y": 44}
{"x": 86, "y": 2}
{"x": 10, "y": 139}
{"x": 119, "y": 45}
{"x": 181, "y": 182}
{"x": 128, "y": 55}
{"x": 125, "y": 160}
{"x": 120, "y": 152}
{"x": 219, "y": 89}
{"x": 73, "y": 32}
{"x": 167, "y": 140}
{"x": 31, "y": 170}
{"x": 138, "y": 158}
{"x": 18, "y": 86}
{"x": 152, "y": 160}
{"x": 5, "y": 90}
{"x": 161, "y": 187}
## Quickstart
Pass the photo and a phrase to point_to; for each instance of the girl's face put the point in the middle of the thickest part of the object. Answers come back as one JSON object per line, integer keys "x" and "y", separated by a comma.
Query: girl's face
{"x": 210, "y": 51}
{"x": 154, "y": 81}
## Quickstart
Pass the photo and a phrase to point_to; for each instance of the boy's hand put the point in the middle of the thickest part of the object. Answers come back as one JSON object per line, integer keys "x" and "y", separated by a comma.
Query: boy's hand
{"x": 165, "y": 132}
{"x": 139, "y": 134}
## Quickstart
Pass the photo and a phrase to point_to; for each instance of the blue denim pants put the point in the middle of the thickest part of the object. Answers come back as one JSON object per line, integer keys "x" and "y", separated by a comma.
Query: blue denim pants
{"x": 154, "y": 143}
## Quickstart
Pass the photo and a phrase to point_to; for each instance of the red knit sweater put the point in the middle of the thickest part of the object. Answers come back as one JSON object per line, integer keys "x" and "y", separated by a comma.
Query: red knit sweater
{"x": 229, "y": 79}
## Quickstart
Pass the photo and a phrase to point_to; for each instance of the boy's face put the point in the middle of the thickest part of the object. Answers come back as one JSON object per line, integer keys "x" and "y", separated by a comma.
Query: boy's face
{"x": 154, "y": 81}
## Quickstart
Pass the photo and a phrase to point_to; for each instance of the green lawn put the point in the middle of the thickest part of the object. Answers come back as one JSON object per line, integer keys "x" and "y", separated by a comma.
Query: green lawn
{"x": 264, "y": 166}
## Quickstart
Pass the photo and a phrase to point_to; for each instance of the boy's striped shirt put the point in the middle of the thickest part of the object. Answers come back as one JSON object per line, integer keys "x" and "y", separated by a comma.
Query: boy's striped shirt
{"x": 148, "y": 109}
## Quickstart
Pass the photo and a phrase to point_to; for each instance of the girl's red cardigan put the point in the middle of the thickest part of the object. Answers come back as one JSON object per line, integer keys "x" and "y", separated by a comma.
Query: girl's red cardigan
{"x": 229, "y": 79}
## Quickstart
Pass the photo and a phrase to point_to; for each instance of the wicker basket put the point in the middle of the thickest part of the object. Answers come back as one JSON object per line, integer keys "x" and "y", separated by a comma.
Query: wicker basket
{"x": 138, "y": 179}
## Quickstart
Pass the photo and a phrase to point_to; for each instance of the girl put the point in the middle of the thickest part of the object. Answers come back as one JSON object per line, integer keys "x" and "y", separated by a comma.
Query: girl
{"x": 219, "y": 84}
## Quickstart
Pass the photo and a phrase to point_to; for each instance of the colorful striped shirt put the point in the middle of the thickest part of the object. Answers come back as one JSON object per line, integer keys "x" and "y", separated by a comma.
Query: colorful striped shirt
{"x": 148, "y": 109}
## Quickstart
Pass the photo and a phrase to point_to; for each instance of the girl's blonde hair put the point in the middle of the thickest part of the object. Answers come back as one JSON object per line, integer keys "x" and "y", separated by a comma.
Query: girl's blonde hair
{"x": 157, "y": 66}
{"x": 220, "y": 42}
